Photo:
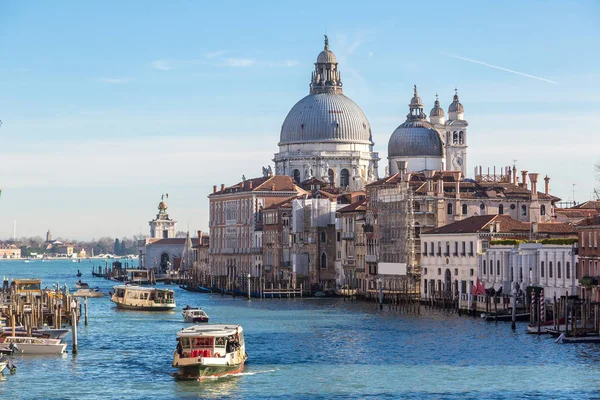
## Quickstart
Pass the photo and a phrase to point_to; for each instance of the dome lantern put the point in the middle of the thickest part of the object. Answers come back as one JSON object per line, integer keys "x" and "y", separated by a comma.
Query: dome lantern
{"x": 326, "y": 78}
{"x": 436, "y": 115}
{"x": 455, "y": 110}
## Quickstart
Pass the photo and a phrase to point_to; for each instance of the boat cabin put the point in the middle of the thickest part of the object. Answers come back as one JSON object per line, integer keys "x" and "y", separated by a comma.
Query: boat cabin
{"x": 211, "y": 342}
{"x": 28, "y": 286}
{"x": 162, "y": 296}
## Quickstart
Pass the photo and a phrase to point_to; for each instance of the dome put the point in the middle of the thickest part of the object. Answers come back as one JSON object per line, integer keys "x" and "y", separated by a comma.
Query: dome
{"x": 456, "y": 106}
{"x": 323, "y": 117}
{"x": 326, "y": 56}
{"x": 415, "y": 138}
{"x": 436, "y": 111}
{"x": 162, "y": 205}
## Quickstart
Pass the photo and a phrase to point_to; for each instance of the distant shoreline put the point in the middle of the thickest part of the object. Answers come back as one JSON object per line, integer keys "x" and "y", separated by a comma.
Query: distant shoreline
{"x": 68, "y": 259}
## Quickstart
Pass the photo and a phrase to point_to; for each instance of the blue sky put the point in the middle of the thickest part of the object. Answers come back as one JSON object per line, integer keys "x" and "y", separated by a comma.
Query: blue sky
{"x": 107, "y": 105}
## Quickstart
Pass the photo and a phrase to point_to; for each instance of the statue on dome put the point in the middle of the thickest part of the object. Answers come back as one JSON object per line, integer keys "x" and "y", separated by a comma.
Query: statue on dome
{"x": 326, "y": 42}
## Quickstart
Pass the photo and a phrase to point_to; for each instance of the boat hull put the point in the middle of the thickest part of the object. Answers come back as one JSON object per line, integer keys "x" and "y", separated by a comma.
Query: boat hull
{"x": 162, "y": 307}
{"x": 196, "y": 319}
{"x": 210, "y": 371}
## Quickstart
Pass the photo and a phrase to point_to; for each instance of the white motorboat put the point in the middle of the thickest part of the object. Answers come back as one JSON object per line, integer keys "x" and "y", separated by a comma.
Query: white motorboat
{"x": 82, "y": 285}
{"x": 143, "y": 298}
{"x": 194, "y": 314}
{"x": 34, "y": 345}
{"x": 43, "y": 332}
{"x": 210, "y": 350}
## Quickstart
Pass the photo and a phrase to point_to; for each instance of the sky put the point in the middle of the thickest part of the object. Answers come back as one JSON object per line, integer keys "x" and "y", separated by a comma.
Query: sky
{"x": 107, "y": 105}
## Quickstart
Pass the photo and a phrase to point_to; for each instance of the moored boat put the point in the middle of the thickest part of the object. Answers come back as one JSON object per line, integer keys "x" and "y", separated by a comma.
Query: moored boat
{"x": 143, "y": 298}
{"x": 82, "y": 285}
{"x": 210, "y": 350}
{"x": 34, "y": 345}
{"x": 89, "y": 293}
{"x": 43, "y": 332}
{"x": 194, "y": 314}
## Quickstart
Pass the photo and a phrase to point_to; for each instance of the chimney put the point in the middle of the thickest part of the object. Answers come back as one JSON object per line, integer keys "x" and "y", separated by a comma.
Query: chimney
{"x": 273, "y": 187}
{"x": 250, "y": 184}
{"x": 497, "y": 226}
{"x": 547, "y": 185}
{"x": 535, "y": 227}
{"x": 440, "y": 187}
{"x": 457, "y": 175}
{"x": 214, "y": 188}
{"x": 222, "y": 186}
{"x": 200, "y": 236}
{"x": 514, "y": 175}
{"x": 429, "y": 179}
{"x": 533, "y": 178}
{"x": 524, "y": 179}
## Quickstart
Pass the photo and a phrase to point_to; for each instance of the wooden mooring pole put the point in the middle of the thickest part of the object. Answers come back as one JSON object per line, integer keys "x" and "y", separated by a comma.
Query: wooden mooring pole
{"x": 74, "y": 325}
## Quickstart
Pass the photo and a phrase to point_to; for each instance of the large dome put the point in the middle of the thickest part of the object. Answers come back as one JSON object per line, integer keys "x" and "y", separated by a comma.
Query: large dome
{"x": 415, "y": 138}
{"x": 324, "y": 117}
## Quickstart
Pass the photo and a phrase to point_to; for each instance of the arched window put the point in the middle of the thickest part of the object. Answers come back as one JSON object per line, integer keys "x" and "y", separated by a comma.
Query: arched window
{"x": 344, "y": 178}
{"x": 323, "y": 237}
{"x": 568, "y": 270}
{"x": 542, "y": 269}
{"x": 461, "y": 137}
{"x": 331, "y": 175}
{"x": 542, "y": 210}
{"x": 577, "y": 270}
{"x": 323, "y": 260}
{"x": 524, "y": 210}
{"x": 449, "y": 208}
{"x": 484, "y": 271}
{"x": 558, "y": 271}
{"x": 498, "y": 268}
{"x": 425, "y": 248}
{"x": 455, "y": 137}
{"x": 550, "y": 269}
{"x": 296, "y": 174}
{"x": 501, "y": 209}
{"x": 464, "y": 209}
{"x": 512, "y": 274}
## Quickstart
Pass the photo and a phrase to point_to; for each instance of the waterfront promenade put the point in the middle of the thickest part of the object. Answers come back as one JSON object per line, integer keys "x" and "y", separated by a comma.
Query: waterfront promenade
{"x": 302, "y": 348}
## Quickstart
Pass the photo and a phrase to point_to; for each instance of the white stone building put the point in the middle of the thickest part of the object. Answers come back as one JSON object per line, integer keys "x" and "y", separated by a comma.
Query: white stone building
{"x": 326, "y": 135}
{"x": 551, "y": 266}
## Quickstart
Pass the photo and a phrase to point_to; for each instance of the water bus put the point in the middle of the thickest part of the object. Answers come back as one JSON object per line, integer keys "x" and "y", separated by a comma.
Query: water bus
{"x": 210, "y": 350}
{"x": 134, "y": 297}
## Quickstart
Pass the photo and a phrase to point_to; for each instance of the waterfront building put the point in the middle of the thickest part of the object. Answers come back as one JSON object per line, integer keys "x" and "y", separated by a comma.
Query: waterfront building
{"x": 236, "y": 224}
{"x": 165, "y": 254}
{"x": 588, "y": 231}
{"x": 351, "y": 242}
{"x": 9, "y": 251}
{"x": 499, "y": 251}
{"x": 326, "y": 135}
{"x": 277, "y": 242}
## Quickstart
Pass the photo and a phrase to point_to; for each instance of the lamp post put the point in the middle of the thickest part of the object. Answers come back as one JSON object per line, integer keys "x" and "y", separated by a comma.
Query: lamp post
{"x": 249, "y": 276}
{"x": 380, "y": 286}
{"x": 74, "y": 325}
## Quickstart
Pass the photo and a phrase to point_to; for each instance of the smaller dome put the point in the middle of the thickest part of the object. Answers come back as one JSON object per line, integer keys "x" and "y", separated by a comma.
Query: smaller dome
{"x": 162, "y": 205}
{"x": 415, "y": 138}
{"x": 326, "y": 57}
{"x": 456, "y": 106}
{"x": 436, "y": 111}
{"x": 415, "y": 102}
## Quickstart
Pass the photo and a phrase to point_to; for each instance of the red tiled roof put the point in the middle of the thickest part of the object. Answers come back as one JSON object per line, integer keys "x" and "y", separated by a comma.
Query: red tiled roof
{"x": 481, "y": 223}
{"x": 278, "y": 183}
{"x": 360, "y": 205}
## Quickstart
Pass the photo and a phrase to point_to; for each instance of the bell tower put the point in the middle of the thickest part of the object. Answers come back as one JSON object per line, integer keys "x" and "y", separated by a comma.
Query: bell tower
{"x": 456, "y": 137}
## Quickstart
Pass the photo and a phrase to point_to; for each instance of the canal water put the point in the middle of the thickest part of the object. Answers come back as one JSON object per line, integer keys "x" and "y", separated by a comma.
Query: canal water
{"x": 301, "y": 349}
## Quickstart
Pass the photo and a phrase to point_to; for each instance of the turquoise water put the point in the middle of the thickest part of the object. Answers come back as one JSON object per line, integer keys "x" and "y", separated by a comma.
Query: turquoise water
{"x": 301, "y": 349}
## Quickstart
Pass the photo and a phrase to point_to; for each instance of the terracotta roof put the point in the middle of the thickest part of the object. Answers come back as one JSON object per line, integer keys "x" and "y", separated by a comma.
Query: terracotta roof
{"x": 287, "y": 203}
{"x": 360, "y": 205}
{"x": 481, "y": 223}
{"x": 592, "y": 204}
{"x": 278, "y": 183}
{"x": 595, "y": 220}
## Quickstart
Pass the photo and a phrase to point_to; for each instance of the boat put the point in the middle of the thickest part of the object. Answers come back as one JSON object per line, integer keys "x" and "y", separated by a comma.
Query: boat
{"x": 89, "y": 293}
{"x": 194, "y": 314}
{"x": 78, "y": 274}
{"x": 134, "y": 297}
{"x": 43, "y": 332}
{"x": 34, "y": 345}
{"x": 210, "y": 350}
{"x": 82, "y": 285}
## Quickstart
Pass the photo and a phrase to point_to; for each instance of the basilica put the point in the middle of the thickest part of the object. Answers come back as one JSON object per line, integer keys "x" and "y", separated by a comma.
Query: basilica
{"x": 328, "y": 137}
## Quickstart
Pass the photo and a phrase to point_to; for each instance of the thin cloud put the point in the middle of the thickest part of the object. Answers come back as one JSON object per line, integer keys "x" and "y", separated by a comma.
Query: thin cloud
{"x": 161, "y": 65}
{"x": 214, "y": 54}
{"x": 114, "y": 80}
{"x": 286, "y": 63}
{"x": 239, "y": 62}
{"x": 500, "y": 68}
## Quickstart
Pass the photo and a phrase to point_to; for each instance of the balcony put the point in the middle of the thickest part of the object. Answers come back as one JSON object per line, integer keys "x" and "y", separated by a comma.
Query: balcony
{"x": 371, "y": 258}
{"x": 588, "y": 281}
{"x": 347, "y": 235}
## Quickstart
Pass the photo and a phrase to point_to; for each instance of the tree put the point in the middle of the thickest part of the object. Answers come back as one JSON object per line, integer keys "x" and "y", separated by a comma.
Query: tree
{"x": 117, "y": 247}
{"x": 123, "y": 248}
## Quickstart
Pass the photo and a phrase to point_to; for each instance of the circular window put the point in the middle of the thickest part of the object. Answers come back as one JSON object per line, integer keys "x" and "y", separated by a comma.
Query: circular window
{"x": 482, "y": 206}
{"x": 512, "y": 206}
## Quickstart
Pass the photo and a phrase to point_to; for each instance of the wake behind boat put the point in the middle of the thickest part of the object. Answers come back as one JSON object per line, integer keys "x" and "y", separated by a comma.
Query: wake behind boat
{"x": 210, "y": 350}
{"x": 143, "y": 298}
